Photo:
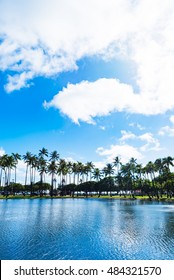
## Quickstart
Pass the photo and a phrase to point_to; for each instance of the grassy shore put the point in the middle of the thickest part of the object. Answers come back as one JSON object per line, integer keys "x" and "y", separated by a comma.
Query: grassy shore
{"x": 164, "y": 198}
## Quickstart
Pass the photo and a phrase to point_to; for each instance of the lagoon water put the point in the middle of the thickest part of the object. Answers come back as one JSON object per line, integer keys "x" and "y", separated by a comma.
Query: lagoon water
{"x": 74, "y": 229}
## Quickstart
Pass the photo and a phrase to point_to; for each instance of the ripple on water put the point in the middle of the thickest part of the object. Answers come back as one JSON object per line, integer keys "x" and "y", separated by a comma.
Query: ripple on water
{"x": 86, "y": 229}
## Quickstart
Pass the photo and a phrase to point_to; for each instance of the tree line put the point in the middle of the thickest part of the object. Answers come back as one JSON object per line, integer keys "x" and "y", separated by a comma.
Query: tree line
{"x": 155, "y": 179}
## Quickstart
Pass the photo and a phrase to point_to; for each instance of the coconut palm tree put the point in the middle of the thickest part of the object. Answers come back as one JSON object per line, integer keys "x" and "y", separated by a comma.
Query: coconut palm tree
{"x": 54, "y": 156}
{"x": 83, "y": 172}
{"x": 69, "y": 168}
{"x": 139, "y": 171}
{"x": 52, "y": 170}
{"x": 27, "y": 160}
{"x": 33, "y": 166}
{"x": 126, "y": 173}
{"x": 79, "y": 171}
{"x": 89, "y": 168}
{"x": 75, "y": 171}
{"x": 167, "y": 162}
{"x": 97, "y": 174}
{"x": 62, "y": 171}
{"x": 117, "y": 164}
{"x": 43, "y": 153}
{"x": 2, "y": 166}
{"x": 16, "y": 157}
{"x": 150, "y": 169}
{"x": 8, "y": 165}
{"x": 42, "y": 169}
{"x": 158, "y": 166}
{"x": 108, "y": 170}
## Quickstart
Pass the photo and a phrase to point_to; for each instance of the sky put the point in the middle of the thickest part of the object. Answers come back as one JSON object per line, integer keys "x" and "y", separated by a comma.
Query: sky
{"x": 91, "y": 79}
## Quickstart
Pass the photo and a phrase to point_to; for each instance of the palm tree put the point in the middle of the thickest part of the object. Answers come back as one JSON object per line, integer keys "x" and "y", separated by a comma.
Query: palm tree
{"x": 52, "y": 170}
{"x": 74, "y": 170}
{"x": 83, "y": 171}
{"x": 27, "y": 159}
{"x": 16, "y": 157}
{"x": 117, "y": 163}
{"x": 62, "y": 170}
{"x": 42, "y": 168}
{"x": 150, "y": 169}
{"x": 42, "y": 165}
{"x": 139, "y": 171}
{"x": 33, "y": 166}
{"x": 158, "y": 165}
{"x": 89, "y": 168}
{"x": 167, "y": 162}
{"x": 8, "y": 164}
{"x": 97, "y": 174}
{"x": 108, "y": 170}
{"x": 69, "y": 168}
{"x": 126, "y": 174}
{"x": 54, "y": 156}
{"x": 2, "y": 166}
{"x": 79, "y": 168}
{"x": 133, "y": 170}
{"x": 43, "y": 152}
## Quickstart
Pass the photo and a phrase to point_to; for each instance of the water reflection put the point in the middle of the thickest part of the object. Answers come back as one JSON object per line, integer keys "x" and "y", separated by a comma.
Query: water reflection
{"x": 86, "y": 229}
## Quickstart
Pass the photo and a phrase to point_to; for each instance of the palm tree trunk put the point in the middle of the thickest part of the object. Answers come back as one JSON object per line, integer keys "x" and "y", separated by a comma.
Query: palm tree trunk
{"x": 26, "y": 175}
{"x": 52, "y": 180}
{"x": 15, "y": 174}
{"x": 1, "y": 177}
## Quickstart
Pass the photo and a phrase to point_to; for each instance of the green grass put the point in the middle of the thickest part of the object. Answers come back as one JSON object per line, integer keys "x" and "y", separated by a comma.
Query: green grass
{"x": 164, "y": 198}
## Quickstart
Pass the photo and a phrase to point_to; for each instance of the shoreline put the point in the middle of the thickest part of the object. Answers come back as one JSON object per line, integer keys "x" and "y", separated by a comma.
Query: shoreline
{"x": 142, "y": 198}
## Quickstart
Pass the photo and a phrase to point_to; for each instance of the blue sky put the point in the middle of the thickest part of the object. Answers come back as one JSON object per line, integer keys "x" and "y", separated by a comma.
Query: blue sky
{"x": 90, "y": 79}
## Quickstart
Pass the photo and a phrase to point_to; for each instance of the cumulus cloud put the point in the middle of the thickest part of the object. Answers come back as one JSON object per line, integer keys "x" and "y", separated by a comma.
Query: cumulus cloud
{"x": 2, "y": 152}
{"x": 45, "y": 38}
{"x": 125, "y": 152}
{"x": 86, "y": 100}
{"x": 166, "y": 131}
{"x": 126, "y": 135}
{"x": 152, "y": 144}
{"x": 142, "y": 145}
{"x": 137, "y": 125}
{"x": 48, "y": 37}
{"x": 172, "y": 119}
{"x": 18, "y": 81}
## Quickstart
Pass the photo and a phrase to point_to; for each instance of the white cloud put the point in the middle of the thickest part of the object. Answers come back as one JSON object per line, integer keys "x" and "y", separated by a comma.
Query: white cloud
{"x": 48, "y": 37}
{"x": 86, "y": 100}
{"x": 102, "y": 127}
{"x": 172, "y": 119}
{"x": 17, "y": 81}
{"x": 137, "y": 125}
{"x": 99, "y": 164}
{"x": 2, "y": 152}
{"x": 152, "y": 144}
{"x": 44, "y": 38}
{"x": 21, "y": 171}
{"x": 166, "y": 131}
{"x": 125, "y": 152}
{"x": 126, "y": 135}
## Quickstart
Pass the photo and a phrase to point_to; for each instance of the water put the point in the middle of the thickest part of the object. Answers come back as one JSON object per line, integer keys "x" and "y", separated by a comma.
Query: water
{"x": 86, "y": 229}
